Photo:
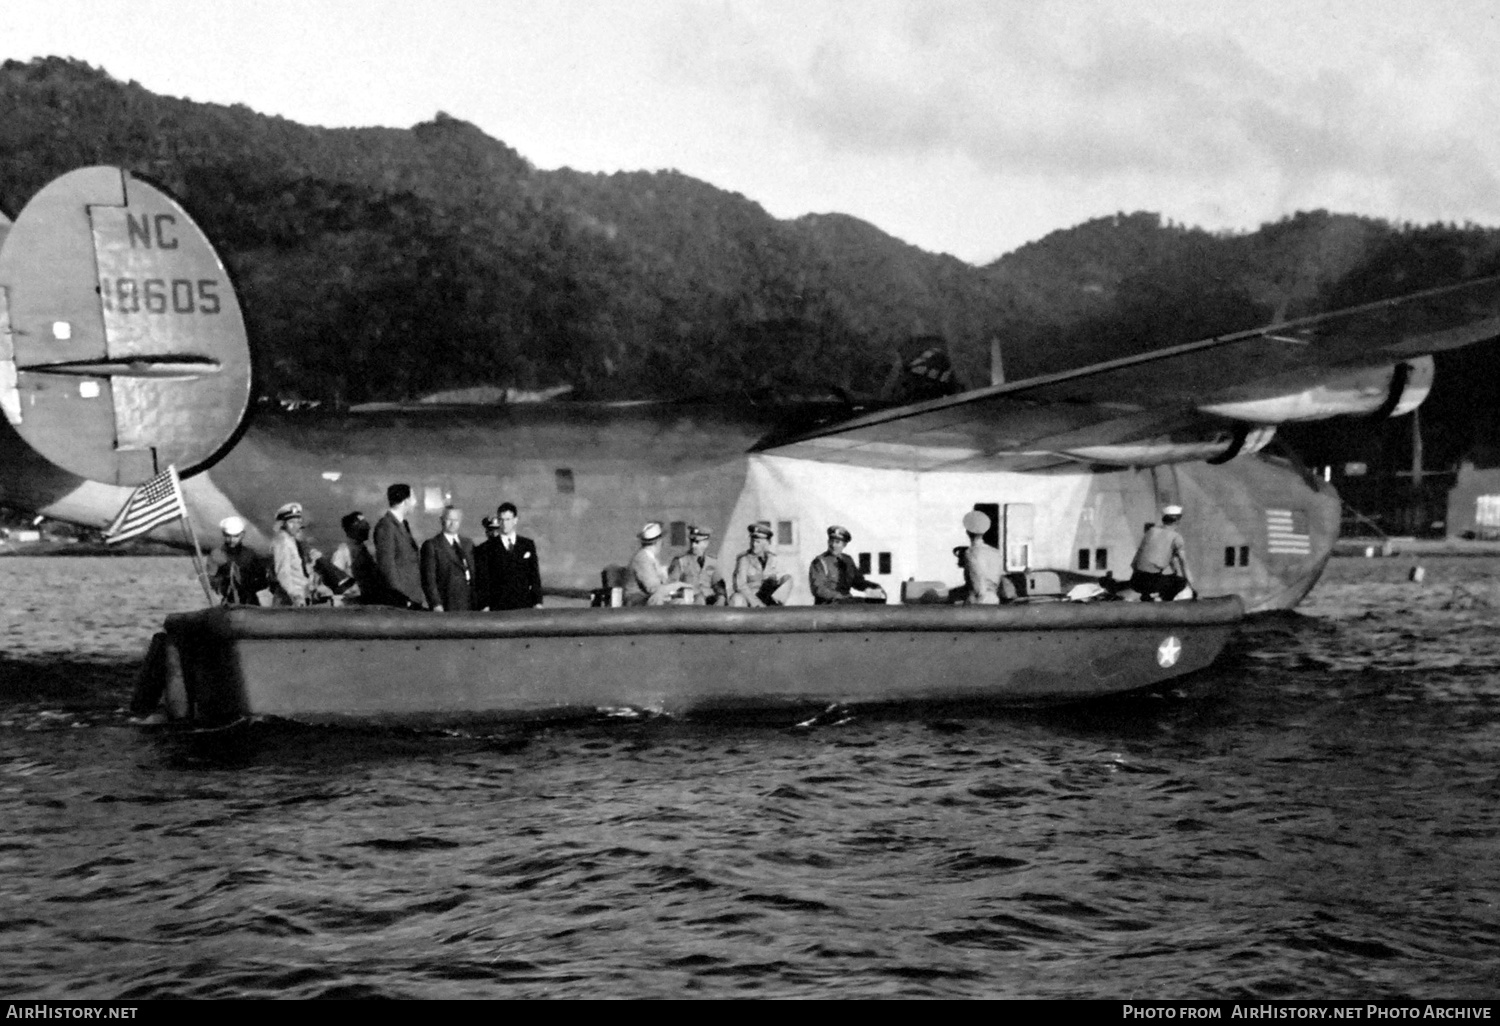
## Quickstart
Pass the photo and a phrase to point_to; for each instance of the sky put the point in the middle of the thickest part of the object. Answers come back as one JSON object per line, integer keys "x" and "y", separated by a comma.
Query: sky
{"x": 961, "y": 126}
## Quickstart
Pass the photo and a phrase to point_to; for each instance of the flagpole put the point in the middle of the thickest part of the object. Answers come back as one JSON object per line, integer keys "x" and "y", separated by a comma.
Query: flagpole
{"x": 192, "y": 535}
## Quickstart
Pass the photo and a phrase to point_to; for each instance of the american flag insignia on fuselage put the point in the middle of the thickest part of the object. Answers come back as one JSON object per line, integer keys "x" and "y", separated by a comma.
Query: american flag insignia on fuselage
{"x": 1286, "y": 532}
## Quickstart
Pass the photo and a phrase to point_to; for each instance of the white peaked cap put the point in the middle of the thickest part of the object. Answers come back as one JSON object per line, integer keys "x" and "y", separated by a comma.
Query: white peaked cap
{"x": 232, "y": 525}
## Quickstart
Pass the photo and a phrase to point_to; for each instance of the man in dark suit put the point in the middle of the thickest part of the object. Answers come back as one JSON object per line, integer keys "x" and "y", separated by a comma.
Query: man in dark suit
{"x": 448, "y": 567}
{"x": 510, "y": 577}
{"x": 397, "y": 559}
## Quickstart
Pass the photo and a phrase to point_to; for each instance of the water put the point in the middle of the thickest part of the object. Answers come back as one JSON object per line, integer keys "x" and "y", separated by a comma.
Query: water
{"x": 1316, "y": 817}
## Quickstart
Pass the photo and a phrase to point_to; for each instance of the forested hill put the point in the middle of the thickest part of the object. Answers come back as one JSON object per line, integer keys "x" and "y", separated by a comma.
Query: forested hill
{"x": 394, "y": 263}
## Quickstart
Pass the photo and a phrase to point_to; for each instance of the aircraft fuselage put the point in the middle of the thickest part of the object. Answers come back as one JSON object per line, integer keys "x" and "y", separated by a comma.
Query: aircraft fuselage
{"x": 587, "y": 476}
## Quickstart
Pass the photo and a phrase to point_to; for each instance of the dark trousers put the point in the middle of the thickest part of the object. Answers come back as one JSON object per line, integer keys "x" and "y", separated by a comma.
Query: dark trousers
{"x": 1163, "y": 586}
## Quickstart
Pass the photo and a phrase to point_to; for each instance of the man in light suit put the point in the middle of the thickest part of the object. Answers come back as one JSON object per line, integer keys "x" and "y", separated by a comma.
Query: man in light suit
{"x": 448, "y": 566}
{"x": 509, "y": 575}
{"x": 396, "y": 556}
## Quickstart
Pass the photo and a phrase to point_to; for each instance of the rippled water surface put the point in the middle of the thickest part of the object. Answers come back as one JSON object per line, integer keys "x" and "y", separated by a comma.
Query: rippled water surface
{"x": 1318, "y": 816}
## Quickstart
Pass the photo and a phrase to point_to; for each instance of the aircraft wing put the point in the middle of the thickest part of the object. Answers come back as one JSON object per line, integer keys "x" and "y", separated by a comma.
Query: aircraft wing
{"x": 1187, "y": 402}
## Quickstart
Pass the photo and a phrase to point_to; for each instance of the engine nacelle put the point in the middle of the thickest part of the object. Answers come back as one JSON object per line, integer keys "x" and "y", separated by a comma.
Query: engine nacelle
{"x": 122, "y": 345}
{"x": 1378, "y": 391}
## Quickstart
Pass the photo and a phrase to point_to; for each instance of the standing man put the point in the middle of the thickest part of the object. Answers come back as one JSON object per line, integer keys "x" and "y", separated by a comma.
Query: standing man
{"x": 834, "y": 576}
{"x": 1159, "y": 569}
{"x": 646, "y": 582}
{"x": 984, "y": 569}
{"x": 397, "y": 560}
{"x": 294, "y": 583}
{"x": 448, "y": 566}
{"x": 698, "y": 570}
{"x": 758, "y": 581}
{"x": 236, "y": 573}
{"x": 509, "y": 571}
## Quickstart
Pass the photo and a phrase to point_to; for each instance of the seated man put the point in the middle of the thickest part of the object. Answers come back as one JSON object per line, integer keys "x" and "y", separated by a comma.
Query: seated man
{"x": 697, "y": 569}
{"x": 757, "y": 580}
{"x": 646, "y": 581}
{"x": 834, "y": 577}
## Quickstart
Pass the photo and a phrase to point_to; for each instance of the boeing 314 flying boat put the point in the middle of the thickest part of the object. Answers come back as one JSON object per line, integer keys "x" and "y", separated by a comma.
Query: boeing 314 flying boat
{"x": 123, "y": 350}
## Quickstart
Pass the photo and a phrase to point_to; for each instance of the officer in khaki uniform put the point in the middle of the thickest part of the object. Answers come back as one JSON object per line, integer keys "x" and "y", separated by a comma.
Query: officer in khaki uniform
{"x": 758, "y": 581}
{"x": 697, "y": 569}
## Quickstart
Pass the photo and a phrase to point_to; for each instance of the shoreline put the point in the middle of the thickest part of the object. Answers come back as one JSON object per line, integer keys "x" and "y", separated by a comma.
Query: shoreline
{"x": 1378, "y": 548}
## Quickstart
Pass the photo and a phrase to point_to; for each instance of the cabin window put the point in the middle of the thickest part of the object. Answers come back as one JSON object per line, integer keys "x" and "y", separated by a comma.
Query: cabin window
{"x": 1101, "y": 559}
{"x": 1020, "y": 533}
{"x": 864, "y": 562}
{"x": 1083, "y": 559}
{"x": 991, "y": 510}
{"x": 564, "y": 481}
{"x": 1244, "y": 555}
{"x": 1236, "y": 556}
{"x": 434, "y": 498}
{"x": 679, "y": 533}
{"x": 1487, "y": 512}
{"x": 885, "y": 563}
{"x": 1229, "y": 555}
{"x": 784, "y": 532}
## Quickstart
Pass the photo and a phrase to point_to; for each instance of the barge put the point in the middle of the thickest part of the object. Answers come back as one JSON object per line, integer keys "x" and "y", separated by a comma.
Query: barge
{"x": 384, "y": 666}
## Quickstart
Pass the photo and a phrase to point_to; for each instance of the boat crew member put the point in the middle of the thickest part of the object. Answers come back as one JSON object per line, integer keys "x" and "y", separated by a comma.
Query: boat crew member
{"x": 984, "y": 570}
{"x": 293, "y": 580}
{"x": 448, "y": 566}
{"x": 1159, "y": 569}
{"x": 697, "y": 569}
{"x": 757, "y": 579}
{"x": 834, "y": 576}
{"x": 646, "y": 580}
{"x": 353, "y": 558}
{"x": 510, "y": 576}
{"x": 235, "y": 571}
{"x": 397, "y": 559}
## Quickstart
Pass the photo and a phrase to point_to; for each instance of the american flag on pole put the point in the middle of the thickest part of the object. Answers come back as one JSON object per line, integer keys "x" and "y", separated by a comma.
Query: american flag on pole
{"x": 157, "y": 502}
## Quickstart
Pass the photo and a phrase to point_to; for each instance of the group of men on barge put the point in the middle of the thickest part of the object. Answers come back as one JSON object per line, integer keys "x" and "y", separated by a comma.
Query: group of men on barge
{"x": 448, "y": 572}
{"x": 383, "y": 565}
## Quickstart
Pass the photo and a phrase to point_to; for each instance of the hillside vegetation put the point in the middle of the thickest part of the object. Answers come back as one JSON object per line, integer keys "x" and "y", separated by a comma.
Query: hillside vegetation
{"x": 387, "y": 264}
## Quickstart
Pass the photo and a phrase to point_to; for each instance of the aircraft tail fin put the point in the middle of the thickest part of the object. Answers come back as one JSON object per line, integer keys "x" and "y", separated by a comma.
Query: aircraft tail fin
{"x": 122, "y": 345}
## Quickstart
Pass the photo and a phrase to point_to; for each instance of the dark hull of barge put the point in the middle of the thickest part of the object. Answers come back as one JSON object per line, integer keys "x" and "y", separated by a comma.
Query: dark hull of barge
{"x": 380, "y": 666}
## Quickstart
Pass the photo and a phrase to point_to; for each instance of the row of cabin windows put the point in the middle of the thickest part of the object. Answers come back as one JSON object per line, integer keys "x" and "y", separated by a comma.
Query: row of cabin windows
{"x": 678, "y": 534}
{"x": 1100, "y": 559}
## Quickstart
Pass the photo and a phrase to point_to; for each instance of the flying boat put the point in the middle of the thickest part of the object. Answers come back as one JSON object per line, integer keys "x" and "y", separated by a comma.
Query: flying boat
{"x": 123, "y": 350}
